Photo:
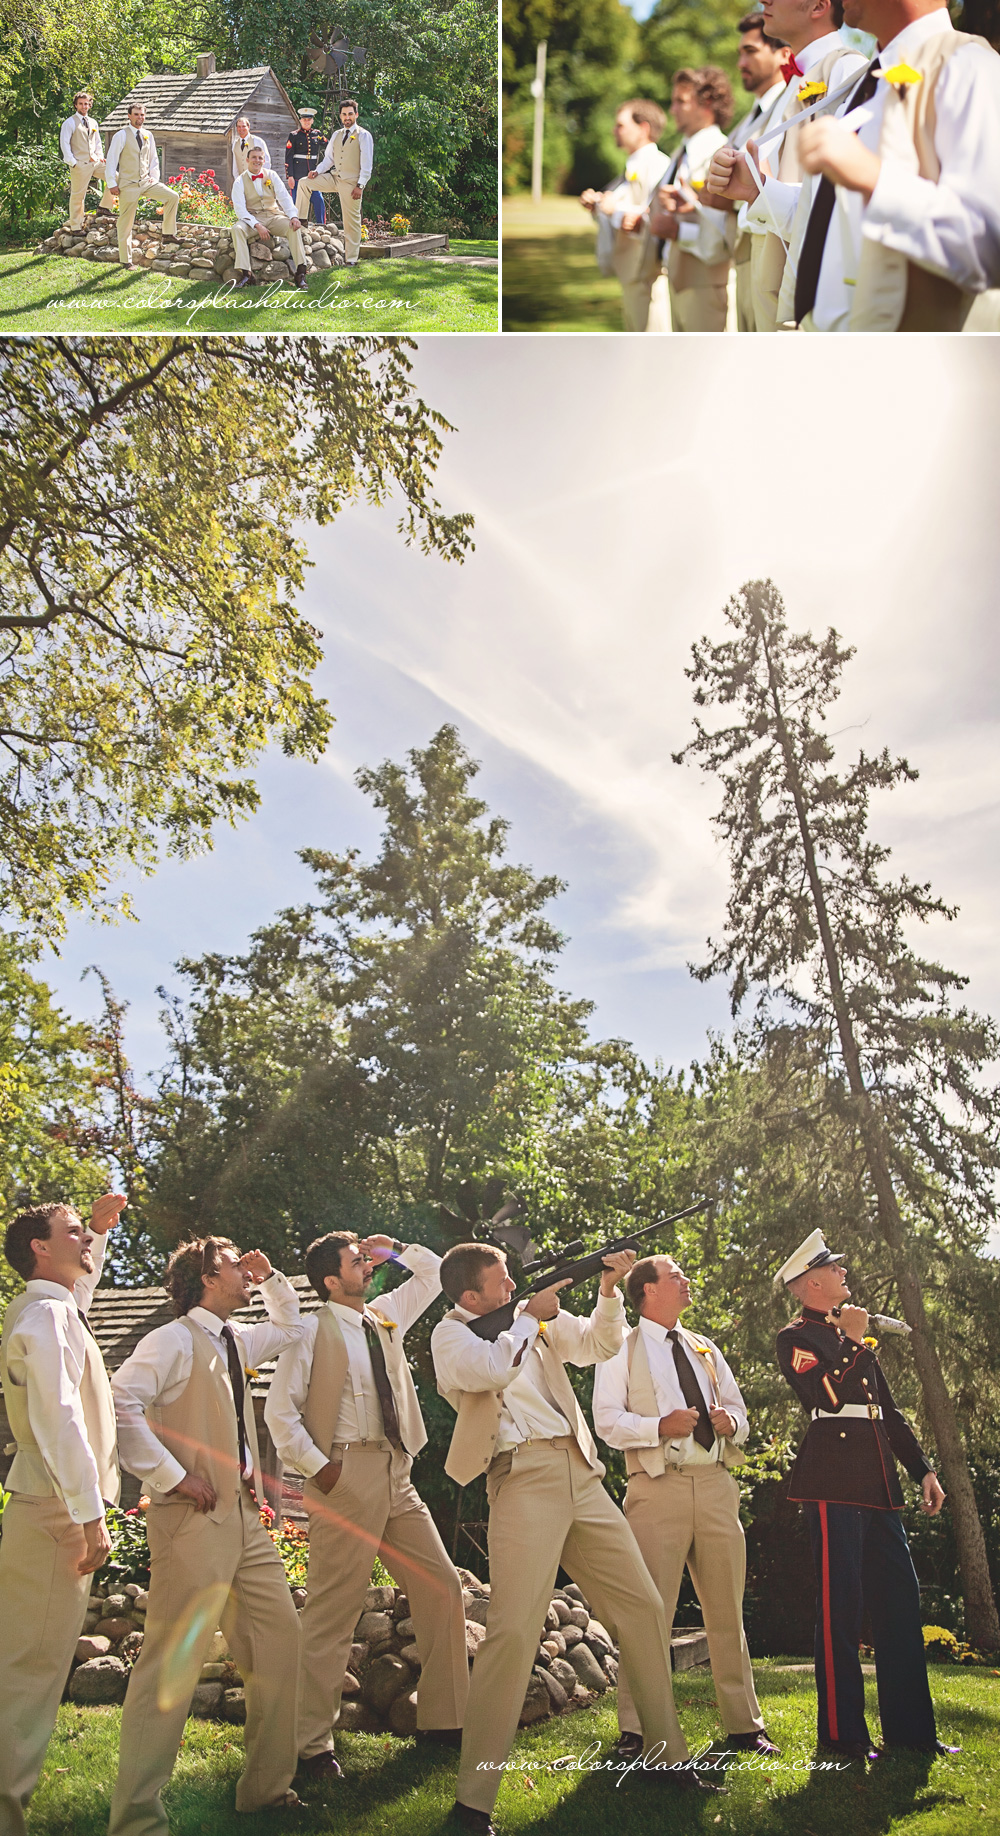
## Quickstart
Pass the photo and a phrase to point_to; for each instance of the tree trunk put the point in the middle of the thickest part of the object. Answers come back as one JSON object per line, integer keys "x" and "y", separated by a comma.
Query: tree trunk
{"x": 982, "y": 1622}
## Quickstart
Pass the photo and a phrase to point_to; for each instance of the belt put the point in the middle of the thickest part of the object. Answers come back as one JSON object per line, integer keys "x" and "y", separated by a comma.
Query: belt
{"x": 867, "y": 1411}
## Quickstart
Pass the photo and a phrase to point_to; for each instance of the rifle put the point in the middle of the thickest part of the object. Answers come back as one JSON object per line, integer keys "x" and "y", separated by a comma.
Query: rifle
{"x": 491, "y": 1325}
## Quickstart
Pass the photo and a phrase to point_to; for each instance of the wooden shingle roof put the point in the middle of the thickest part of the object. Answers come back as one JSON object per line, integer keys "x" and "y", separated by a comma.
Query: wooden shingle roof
{"x": 192, "y": 104}
{"x": 120, "y": 1317}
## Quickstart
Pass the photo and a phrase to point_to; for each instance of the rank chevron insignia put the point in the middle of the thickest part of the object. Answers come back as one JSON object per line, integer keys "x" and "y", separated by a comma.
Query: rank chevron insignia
{"x": 803, "y": 1360}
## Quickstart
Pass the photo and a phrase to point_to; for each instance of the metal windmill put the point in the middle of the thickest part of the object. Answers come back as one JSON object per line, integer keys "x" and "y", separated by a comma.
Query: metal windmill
{"x": 330, "y": 55}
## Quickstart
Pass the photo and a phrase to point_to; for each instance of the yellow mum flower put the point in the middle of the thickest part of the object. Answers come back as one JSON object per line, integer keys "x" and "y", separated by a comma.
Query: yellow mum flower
{"x": 901, "y": 76}
{"x": 811, "y": 92}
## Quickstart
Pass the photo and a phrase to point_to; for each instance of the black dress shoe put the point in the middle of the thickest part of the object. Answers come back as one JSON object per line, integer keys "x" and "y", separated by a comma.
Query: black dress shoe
{"x": 849, "y": 1749}
{"x": 937, "y": 1751}
{"x": 441, "y": 1737}
{"x": 323, "y": 1766}
{"x": 628, "y": 1746}
{"x": 757, "y": 1741}
{"x": 480, "y": 1822}
{"x": 300, "y": 278}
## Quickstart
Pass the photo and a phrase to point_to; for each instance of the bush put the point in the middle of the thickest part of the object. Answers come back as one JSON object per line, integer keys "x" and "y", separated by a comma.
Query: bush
{"x": 32, "y": 184}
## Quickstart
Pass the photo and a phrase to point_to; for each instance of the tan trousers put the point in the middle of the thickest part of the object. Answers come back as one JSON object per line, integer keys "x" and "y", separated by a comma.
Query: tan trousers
{"x": 128, "y": 201}
{"x": 43, "y": 1603}
{"x": 699, "y": 309}
{"x": 276, "y": 225}
{"x": 81, "y": 176}
{"x": 636, "y": 296}
{"x": 350, "y": 208}
{"x": 188, "y": 1554}
{"x": 547, "y": 1507}
{"x": 374, "y": 1510}
{"x": 692, "y": 1515}
{"x": 746, "y": 320}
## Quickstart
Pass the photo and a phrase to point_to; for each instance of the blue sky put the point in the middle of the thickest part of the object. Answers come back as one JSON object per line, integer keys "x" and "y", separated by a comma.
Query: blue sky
{"x": 623, "y": 489}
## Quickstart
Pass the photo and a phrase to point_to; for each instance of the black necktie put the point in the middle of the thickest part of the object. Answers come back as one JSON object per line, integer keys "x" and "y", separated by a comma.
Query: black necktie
{"x": 703, "y": 1431}
{"x": 814, "y": 240}
{"x": 390, "y": 1420}
{"x": 235, "y": 1362}
{"x": 86, "y": 1324}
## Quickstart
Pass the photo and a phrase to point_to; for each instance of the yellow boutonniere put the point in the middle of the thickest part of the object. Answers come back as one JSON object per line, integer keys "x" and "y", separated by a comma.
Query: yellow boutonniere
{"x": 383, "y": 1320}
{"x": 902, "y": 77}
{"x": 248, "y": 1372}
{"x": 541, "y": 1329}
{"x": 811, "y": 92}
{"x": 870, "y": 1341}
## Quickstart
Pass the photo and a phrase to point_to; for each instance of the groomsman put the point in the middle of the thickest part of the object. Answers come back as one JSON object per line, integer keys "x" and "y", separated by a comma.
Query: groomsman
{"x": 818, "y": 62}
{"x": 303, "y": 151}
{"x": 348, "y": 160}
{"x": 520, "y": 1424}
{"x": 133, "y": 172}
{"x": 899, "y": 226}
{"x": 342, "y": 1410}
{"x": 261, "y": 203}
{"x": 64, "y": 1473}
{"x": 846, "y": 1480}
{"x": 620, "y": 210}
{"x": 670, "y": 1400}
{"x": 81, "y": 148}
{"x": 243, "y": 143}
{"x": 186, "y": 1429}
{"x": 760, "y": 59}
{"x": 695, "y": 252}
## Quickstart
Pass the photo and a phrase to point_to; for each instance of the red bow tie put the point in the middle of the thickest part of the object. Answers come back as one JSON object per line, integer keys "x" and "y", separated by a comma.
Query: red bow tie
{"x": 790, "y": 67}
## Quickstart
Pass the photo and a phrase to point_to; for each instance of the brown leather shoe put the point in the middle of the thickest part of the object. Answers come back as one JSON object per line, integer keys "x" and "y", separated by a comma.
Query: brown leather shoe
{"x": 757, "y": 1741}
{"x": 441, "y": 1737}
{"x": 478, "y": 1821}
{"x": 248, "y": 280}
{"x": 323, "y": 1765}
{"x": 628, "y": 1746}
{"x": 299, "y": 278}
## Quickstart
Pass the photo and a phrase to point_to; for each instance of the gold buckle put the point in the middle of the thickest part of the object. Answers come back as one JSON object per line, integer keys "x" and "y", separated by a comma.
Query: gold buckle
{"x": 874, "y": 1411}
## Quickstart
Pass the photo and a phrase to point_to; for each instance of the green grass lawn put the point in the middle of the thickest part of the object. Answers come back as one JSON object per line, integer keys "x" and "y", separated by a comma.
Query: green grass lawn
{"x": 49, "y": 293}
{"x": 403, "y": 1790}
{"x": 551, "y": 281}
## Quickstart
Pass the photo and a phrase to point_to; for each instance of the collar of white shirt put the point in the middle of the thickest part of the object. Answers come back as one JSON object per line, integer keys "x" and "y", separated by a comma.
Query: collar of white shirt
{"x": 701, "y": 144}
{"x": 50, "y": 1290}
{"x": 211, "y": 1322}
{"x": 349, "y": 1315}
{"x": 811, "y": 56}
{"x": 770, "y": 95}
{"x": 655, "y": 1330}
{"x": 915, "y": 34}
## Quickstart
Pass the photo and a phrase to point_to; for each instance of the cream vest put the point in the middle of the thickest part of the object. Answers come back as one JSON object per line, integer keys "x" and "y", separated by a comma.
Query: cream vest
{"x": 85, "y": 142}
{"x": 133, "y": 170}
{"x": 473, "y": 1441}
{"x": 29, "y": 1472}
{"x": 347, "y": 159}
{"x": 768, "y": 252}
{"x": 684, "y": 270}
{"x": 239, "y": 155}
{"x": 329, "y": 1373}
{"x": 199, "y": 1429}
{"x": 642, "y": 1401}
{"x": 261, "y": 203}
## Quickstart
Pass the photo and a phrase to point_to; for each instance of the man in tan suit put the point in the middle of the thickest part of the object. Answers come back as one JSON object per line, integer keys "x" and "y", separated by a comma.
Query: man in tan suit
{"x": 262, "y": 205}
{"x": 133, "y": 172}
{"x": 620, "y": 210}
{"x": 186, "y": 1429}
{"x": 695, "y": 250}
{"x": 64, "y": 1472}
{"x": 669, "y": 1399}
{"x": 342, "y": 1410}
{"x": 348, "y": 160}
{"x": 760, "y": 60}
{"x": 519, "y": 1422}
{"x": 80, "y": 146}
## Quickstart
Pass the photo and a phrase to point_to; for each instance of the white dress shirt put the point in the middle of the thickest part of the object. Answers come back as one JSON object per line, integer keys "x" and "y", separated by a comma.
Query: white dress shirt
{"x": 773, "y": 211}
{"x": 621, "y": 1427}
{"x": 529, "y": 1412}
{"x": 66, "y": 135}
{"x": 159, "y": 1368}
{"x": 46, "y": 1355}
{"x": 360, "y": 1417}
{"x": 252, "y": 140}
{"x": 281, "y": 196}
{"x": 645, "y": 169}
{"x": 367, "y": 152}
{"x": 114, "y": 155}
{"x": 757, "y": 119}
{"x": 704, "y": 234}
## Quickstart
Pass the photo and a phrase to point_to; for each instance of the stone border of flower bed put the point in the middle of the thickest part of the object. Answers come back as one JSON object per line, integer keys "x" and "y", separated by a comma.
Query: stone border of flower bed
{"x": 204, "y": 251}
{"x": 575, "y": 1662}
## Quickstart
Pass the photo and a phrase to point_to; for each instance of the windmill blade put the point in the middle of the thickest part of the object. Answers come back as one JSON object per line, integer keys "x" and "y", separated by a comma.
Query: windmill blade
{"x": 453, "y": 1226}
{"x": 468, "y": 1201}
{"x": 492, "y": 1196}
{"x": 359, "y": 54}
{"x": 517, "y": 1238}
{"x": 512, "y": 1209}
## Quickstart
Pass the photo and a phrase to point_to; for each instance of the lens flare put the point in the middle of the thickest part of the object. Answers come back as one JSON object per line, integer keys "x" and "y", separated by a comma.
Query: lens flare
{"x": 185, "y": 1653}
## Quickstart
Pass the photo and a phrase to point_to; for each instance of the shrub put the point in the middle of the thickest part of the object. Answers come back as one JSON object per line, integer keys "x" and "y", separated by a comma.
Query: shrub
{"x": 33, "y": 182}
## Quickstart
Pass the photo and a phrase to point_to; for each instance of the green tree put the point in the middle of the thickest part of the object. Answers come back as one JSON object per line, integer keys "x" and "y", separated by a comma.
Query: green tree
{"x": 147, "y": 575}
{"x": 592, "y": 45}
{"x": 818, "y": 931}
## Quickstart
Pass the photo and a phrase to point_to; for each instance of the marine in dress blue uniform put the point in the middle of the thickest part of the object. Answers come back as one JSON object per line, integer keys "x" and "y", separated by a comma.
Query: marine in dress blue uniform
{"x": 303, "y": 151}
{"x": 846, "y": 1480}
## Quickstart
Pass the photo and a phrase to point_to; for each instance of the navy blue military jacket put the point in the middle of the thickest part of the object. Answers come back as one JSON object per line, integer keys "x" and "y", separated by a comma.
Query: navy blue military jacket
{"x": 303, "y": 151}
{"x": 845, "y": 1459}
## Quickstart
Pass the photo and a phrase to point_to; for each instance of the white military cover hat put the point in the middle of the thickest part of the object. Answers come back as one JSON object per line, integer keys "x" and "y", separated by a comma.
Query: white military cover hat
{"x": 811, "y": 1254}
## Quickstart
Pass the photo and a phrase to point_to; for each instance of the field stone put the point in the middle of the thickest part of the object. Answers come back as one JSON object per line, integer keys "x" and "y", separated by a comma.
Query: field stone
{"x": 385, "y": 1679}
{"x": 91, "y": 1648}
{"x": 599, "y": 1639}
{"x": 356, "y": 1718}
{"x": 372, "y": 1628}
{"x": 474, "y": 1635}
{"x": 563, "y": 1612}
{"x": 206, "y": 1700}
{"x": 410, "y": 1655}
{"x": 588, "y": 1670}
{"x": 357, "y": 1656}
{"x": 558, "y": 1696}
{"x": 543, "y": 1657}
{"x": 130, "y": 1647}
{"x": 537, "y": 1702}
{"x": 299, "y": 1597}
{"x": 100, "y": 1679}
{"x": 552, "y": 1622}
{"x": 581, "y": 1695}
{"x": 350, "y": 1685}
{"x": 403, "y": 1714}
{"x": 579, "y": 1616}
{"x": 321, "y": 259}
{"x": 401, "y": 1608}
{"x": 233, "y": 1706}
{"x": 563, "y": 1673}
{"x": 113, "y": 1629}
{"x": 611, "y": 1670}
{"x": 572, "y": 1592}
{"x": 476, "y": 1611}
{"x": 405, "y": 1630}
{"x": 116, "y": 1603}
{"x": 572, "y": 1636}
{"x": 212, "y": 1673}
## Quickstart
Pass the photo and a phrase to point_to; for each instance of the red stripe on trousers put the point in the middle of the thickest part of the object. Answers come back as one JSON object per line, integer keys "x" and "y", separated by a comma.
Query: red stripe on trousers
{"x": 831, "y": 1682}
